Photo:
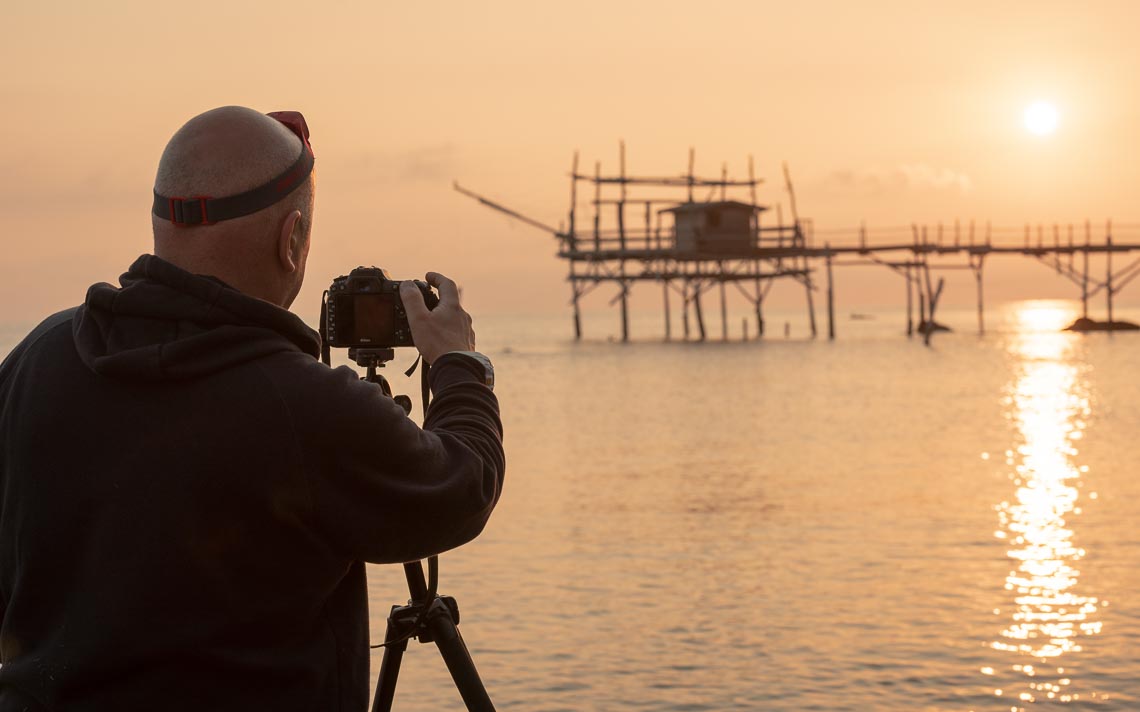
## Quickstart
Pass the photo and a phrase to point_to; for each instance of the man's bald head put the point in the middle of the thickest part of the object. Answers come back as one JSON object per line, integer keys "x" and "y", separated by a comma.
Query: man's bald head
{"x": 224, "y": 152}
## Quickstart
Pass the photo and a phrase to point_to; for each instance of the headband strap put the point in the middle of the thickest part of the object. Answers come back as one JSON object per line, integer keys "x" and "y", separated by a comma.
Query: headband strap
{"x": 204, "y": 210}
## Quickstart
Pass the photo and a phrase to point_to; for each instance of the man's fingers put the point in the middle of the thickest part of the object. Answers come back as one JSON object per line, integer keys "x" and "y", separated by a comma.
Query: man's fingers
{"x": 413, "y": 301}
{"x": 448, "y": 291}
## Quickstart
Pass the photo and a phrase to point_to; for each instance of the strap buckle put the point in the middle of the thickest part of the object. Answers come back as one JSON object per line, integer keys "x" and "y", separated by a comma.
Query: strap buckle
{"x": 189, "y": 211}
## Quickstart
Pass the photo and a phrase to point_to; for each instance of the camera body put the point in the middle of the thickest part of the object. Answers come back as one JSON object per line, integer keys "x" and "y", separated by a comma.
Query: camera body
{"x": 365, "y": 310}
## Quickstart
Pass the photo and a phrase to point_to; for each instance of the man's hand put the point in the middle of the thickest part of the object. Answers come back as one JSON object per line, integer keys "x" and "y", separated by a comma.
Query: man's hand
{"x": 445, "y": 328}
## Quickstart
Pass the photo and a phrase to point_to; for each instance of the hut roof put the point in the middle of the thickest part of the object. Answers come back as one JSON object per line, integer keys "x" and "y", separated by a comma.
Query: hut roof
{"x": 715, "y": 205}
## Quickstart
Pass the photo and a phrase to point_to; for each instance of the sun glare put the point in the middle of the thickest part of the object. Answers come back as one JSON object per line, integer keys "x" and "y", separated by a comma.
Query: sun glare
{"x": 1041, "y": 118}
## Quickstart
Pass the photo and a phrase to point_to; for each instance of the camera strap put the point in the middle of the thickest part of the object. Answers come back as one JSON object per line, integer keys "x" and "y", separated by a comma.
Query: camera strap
{"x": 324, "y": 329}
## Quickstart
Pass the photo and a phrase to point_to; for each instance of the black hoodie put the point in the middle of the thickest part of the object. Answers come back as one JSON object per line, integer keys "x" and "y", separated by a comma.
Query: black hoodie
{"x": 187, "y": 497}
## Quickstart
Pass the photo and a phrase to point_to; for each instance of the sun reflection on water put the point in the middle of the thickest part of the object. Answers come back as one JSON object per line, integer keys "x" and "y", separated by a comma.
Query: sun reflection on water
{"x": 1050, "y": 616}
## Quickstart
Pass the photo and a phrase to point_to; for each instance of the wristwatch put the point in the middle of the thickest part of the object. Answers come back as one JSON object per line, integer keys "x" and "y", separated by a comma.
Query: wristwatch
{"x": 484, "y": 364}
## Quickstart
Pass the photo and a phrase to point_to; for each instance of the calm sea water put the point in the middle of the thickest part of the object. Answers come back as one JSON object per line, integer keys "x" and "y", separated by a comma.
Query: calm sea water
{"x": 862, "y": 524}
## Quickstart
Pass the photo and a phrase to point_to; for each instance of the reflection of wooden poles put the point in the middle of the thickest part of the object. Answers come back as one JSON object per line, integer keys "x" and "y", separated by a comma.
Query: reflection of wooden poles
{"x": 976, "y": 265}
{"x": 931, "y": 298}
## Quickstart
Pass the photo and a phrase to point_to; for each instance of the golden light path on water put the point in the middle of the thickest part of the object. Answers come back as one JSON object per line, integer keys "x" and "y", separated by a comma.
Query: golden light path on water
{"x": 1050, "y": 615}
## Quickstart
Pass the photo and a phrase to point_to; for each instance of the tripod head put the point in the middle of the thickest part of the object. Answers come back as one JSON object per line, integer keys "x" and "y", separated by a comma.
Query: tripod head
{"x": 372, "y": 359}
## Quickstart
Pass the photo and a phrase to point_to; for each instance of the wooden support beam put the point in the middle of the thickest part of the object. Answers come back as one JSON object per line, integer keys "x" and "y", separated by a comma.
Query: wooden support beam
{"x": 668, "y": 321}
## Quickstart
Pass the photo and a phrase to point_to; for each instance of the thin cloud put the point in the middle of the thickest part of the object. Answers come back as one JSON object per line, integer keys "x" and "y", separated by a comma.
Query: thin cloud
{"x": 422, "y": 163}
{"x": 903, "y": 178}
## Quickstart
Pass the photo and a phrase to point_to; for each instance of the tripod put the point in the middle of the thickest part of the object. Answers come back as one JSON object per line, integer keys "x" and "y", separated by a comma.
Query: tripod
{"x": 428, "y": 617}
{"x": 431, "y": 619}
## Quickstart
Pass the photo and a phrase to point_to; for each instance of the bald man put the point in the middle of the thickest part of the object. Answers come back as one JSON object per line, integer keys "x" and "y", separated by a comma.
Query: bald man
{"x": 187, "y": 495}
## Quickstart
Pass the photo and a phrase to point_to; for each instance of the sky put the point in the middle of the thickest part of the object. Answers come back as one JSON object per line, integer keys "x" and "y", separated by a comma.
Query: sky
{"x": 888, "y": 113}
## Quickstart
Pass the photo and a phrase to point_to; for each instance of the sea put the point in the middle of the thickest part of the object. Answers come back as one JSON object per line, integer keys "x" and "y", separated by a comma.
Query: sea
{"x": 865, "y": 523}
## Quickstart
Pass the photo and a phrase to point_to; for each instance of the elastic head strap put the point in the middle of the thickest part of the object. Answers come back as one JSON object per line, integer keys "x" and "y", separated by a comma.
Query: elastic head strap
{"x": 205, "y": 210}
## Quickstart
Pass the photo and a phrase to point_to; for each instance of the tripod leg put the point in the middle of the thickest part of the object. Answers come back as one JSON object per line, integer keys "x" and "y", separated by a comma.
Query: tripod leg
{"x": 458, "y": 659}
{"x": 390, "y": 666}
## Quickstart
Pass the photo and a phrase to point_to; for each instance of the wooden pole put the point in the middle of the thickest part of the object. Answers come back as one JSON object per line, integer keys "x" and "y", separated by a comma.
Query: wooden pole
{"x": 621, "y": 243}
{"x": 668, "y": 320}
{"x": 723, "y": 181}
{"x": 759, "y": 305}
{"x": 573, "y": 196}
{"x": 744, "y": 328}
{"x": 923, "y": 324}
{"x": 697, "y": 309}
{"x": 692, "y": 161}
{"x": 752, "y": 180}
{"x": 934, "y": 295}
{"x": 1071, "y": 256}
{"x": 830, "y": 297}
{"x": 918, "y": 285}
{"x": 624, "y": 310}
{"x": 621, "y": 202}
{"x": 909, "y": 304}
{"x": 723, "y": 311}
{"x": 1057, "y": 248}
{"x": 810, "y": 302}
{"x": 597, "y": 206}
{"x": 577, "y": 310}
{"x": 649, "y": 228}
{"x": 1085, "y": 272}
{"x": 685, "y": 307}
{"x": 1108, "y": 268}
{"x": 981, "y": 302}
{"x": 573, "y": 239}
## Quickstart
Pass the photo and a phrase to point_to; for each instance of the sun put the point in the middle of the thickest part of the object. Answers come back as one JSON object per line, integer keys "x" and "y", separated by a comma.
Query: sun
{"x": 1041, "y": 118}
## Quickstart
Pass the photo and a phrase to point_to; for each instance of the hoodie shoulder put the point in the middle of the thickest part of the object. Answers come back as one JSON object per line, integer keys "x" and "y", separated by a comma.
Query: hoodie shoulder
{"x": 59, "y": 320}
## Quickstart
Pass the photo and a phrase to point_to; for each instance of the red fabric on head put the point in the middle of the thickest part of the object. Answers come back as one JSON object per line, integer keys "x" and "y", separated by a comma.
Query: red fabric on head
{"x": 296, "y": 123}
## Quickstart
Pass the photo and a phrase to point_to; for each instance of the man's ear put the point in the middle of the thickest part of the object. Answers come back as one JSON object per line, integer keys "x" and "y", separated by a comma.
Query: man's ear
{"x": 289, "y": 242}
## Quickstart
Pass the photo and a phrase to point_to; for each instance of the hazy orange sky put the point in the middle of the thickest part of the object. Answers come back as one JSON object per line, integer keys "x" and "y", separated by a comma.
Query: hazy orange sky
{"x": 889, "y": 112}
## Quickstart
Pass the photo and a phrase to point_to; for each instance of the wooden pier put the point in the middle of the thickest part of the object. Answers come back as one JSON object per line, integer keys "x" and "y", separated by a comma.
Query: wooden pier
{"x": 720, "y": 238}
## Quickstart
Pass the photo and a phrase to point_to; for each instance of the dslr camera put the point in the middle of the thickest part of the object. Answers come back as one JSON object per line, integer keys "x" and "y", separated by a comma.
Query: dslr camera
{"x": 364, "y": 310}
